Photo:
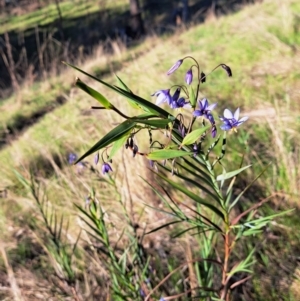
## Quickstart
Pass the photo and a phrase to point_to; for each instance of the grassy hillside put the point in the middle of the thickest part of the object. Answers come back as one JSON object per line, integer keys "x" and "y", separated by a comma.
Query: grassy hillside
{"x": 260, "y": 43}
{"x": 47, "y": 14}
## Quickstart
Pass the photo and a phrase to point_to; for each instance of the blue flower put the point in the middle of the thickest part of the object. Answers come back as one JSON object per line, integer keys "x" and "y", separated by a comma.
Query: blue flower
{"x": 205, "y": 110}
{"x": 231, "y": 121}
{"x": 106, "y": 168}
{"x": 72, "y": 158}
{"x": 180, "y": 103}
{"x": 96, "y": 158}
{"x": 151, "y": 163}
{"x": 142, "y": 293}
{"x": 88, "y": 200}
{"x": 80, "y": 166}
{"x": 181, "y": 129}
{"x": 189, "y": 77}
{"x": 175, "y": 67}
{"x": 162, "y": 96}
{"x": 213, "y": 131}
{"x": 176, "y": 94}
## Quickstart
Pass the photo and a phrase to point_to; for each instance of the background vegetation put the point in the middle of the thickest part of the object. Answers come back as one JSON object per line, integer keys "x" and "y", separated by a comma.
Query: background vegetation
{"x": 46, "y": 118}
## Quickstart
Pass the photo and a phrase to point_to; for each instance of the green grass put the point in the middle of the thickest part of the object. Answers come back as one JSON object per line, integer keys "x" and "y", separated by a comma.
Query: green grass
{"x": 48, "y": 14}
{"x": 263, "y": 51}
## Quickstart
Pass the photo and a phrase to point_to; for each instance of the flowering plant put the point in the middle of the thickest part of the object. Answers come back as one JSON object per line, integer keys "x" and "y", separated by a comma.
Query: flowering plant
{"x": 212, "y": 216}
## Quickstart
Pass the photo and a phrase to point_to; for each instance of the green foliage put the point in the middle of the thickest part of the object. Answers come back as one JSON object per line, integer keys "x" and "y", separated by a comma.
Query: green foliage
{"x": 55, "y": 239}
{"x": 128, "y": 269}
{"x": 211, "y": 220}
{"x": 193, "y": 136}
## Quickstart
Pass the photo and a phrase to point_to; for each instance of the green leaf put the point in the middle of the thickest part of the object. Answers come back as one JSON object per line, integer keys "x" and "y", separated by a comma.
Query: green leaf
{"x": 159, "y": 123}
{"x": 197, "y": 182}
{"x": 192, "y": 96}
{"x": 145, "y": 116}
{"x": 194, "y": 135}
{"x": 212, "y": 146}
{"x": 22, "y": 179}
{"x": 118, "y": 144}
{"x": 122, "y": 84}
{"x": 193, "y": 196}
{"x": 176, "y": 211}
{"x": 247, "y": 187}
{"x": 147, "y": 105}
{"x": 231, "y": 174}
{"x": 202, "y": 178}
{"x": 111, "y": 137}
{"x": 164, "y": 226}
{"x": 95, "y": 94}
{"x": 143, "y": 103}
{"x": 257, "y": 224}
{"x": 164, "y": 154}
{"x": 125, "y": 87}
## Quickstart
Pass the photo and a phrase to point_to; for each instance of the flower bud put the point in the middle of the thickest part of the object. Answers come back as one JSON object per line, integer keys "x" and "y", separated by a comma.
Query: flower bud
{"x": 135, "y": 149}
{"x": 227, "y": 69}
{"x": 106, "y": 168}
{"x": 72, "y": 158}
{"x": 203, "y": 77}
{"x": 189, "y": 77}
{"x": 96, "y": 158}
{"x": 175, "y": 67}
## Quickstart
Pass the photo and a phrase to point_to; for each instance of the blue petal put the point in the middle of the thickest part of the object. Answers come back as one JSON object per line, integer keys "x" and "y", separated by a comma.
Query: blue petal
{"x": 211, "y": 107}
{"x": 187, "y": 105}
{"x": 236, "y": 114}
{"x": 243, "y": 119}
{"x": 176, "y": 94}
{"x": 189, "y": 77}
{"x": 174, "y": 67}
{"x": 160, "y": 99}
{"x": 173, "y": 105}
{"x": 198, "y": 113}
{"x": 210, "y": 118}
{"x": 228, "y": 114}
{"x": 226, "y": 127}
{"x": 204, "y": 103}
{"x": 214, "y": 131}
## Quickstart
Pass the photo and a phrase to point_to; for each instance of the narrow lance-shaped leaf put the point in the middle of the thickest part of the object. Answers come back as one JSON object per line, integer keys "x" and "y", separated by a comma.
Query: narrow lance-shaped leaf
{"x": 159, "y": 123}
{"x": 247, "y": 187}
{"x": 193, "y": 196}
{"x": 95, "y": 94}
{"x": 212, "y": 146}
{"x": 118, "y": 144}
{"x": 109, "y": 138}
{"x": 165, "y": 154}
{"x": 122, "y": 84}
{"x": 257, "y": 224}
{"x": 192, "y": 96}
{"x": 164, "y": 226}
{"x": 203, "y": 177}
{"x": 231, "y": 174}
{"x": 176, "y": 211}
{"x": 147, "y": 105}
{"x": 223, "y": 150}
{"x": 196, "y": 183}
{"x": 125, "y": 87}
{"x": 145, "y": 116}
{"x": 194, "y": 135}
